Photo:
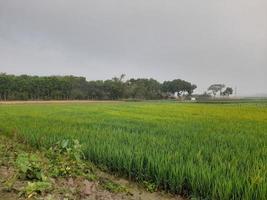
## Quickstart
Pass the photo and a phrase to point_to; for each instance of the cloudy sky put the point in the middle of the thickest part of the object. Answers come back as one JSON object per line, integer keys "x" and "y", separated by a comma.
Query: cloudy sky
{"x": 205, "y": 42}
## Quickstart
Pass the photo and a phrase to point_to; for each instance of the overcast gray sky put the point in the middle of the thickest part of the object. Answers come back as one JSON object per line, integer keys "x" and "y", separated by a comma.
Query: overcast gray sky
{"x": 205, "y": 42}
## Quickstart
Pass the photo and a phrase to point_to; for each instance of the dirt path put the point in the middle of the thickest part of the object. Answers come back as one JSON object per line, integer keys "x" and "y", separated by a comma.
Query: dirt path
{"x": 138, "y": 192}
{"x": 88, "y": 190}
{"x": 58, "y": 101}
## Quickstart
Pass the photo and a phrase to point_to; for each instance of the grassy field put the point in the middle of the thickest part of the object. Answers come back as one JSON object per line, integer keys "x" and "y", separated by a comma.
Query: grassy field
{"x": 213, "y": 151}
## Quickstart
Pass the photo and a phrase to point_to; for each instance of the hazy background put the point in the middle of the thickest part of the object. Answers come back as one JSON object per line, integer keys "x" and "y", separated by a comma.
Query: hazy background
{"x": 205, "y": 42}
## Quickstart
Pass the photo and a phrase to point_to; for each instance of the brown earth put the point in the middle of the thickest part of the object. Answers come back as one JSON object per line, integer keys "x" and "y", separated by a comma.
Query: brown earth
{"x": 82, "y": 189}
{"x": 57, "y": 101}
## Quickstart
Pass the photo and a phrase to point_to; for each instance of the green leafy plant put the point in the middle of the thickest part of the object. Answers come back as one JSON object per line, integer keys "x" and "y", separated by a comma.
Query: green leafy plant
{"x": 112, "y": 186}
{"x": 29, "y": 167}
{"x": 35, "y": 188}
{"x": 150, "y": 186}
{"x": 66, "y": 160}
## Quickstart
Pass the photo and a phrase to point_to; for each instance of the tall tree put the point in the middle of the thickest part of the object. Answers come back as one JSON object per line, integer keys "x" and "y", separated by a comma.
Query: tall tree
{"x": 215, "y": 88}
{"x": 178, "y": 86}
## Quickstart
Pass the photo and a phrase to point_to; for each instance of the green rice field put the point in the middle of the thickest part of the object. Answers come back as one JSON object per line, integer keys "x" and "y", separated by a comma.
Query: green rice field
{"x": 211, "y": 151}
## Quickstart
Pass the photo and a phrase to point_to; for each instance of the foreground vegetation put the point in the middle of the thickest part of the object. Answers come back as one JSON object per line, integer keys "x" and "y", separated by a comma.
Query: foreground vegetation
{"x": 55, "y": 173}
{"x": 34, "y": 173}
{"x": 213, "y": 151}
{"x": 60, "y": 173}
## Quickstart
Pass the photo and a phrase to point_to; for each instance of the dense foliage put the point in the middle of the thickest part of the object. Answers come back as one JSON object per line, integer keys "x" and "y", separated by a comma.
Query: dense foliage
{"x": 211, "y": 151}
{"x": 26, "y": 87}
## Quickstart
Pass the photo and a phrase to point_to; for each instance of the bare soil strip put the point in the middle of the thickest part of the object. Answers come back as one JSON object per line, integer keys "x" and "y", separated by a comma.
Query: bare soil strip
{"x": 58, "y": 101}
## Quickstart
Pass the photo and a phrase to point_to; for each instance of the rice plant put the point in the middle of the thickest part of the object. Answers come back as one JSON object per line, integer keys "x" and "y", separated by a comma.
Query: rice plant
{"x": 212, "y": 151}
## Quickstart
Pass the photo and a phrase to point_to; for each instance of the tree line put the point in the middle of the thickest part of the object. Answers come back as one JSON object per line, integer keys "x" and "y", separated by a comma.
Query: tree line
{"x": 25, "y": 87}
